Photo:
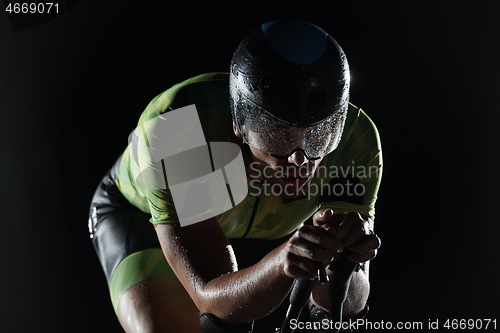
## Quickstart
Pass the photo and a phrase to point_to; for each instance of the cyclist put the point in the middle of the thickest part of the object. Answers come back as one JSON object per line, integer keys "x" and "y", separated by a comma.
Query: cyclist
{"x": 309, "y": 155}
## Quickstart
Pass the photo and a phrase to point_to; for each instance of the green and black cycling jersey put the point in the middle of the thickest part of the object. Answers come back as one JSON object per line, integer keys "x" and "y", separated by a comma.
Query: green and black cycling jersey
{"x": 346, "y": 180}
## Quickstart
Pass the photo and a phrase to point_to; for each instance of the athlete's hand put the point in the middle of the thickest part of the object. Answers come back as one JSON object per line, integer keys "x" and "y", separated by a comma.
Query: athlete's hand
{"x": 310, "y": 245}
{"x": 349, "y": 229}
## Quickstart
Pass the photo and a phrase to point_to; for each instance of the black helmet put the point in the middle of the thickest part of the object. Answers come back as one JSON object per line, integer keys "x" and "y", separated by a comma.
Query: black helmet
{"x": 293, "y": 70}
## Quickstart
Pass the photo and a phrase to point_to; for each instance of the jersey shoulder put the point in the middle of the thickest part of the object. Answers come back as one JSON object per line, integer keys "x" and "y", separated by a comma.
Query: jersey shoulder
{"x": 205, "y": 90}
{"x": 353, "y": 171}
{"x": 210, "y": 94}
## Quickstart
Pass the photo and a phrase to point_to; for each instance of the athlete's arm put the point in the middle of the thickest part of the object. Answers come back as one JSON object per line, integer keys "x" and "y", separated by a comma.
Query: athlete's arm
{"x": 203, "y": 260}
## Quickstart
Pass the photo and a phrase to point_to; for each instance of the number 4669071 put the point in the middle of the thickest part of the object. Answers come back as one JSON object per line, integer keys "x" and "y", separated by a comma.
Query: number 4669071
{"x": 38, "y": 8}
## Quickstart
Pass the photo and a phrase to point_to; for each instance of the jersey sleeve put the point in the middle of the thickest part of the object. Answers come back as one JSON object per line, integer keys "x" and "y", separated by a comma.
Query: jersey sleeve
{"x": 137, "y": 168}
{"x": 141, "y": 175}
{"x": 354, "y": 170}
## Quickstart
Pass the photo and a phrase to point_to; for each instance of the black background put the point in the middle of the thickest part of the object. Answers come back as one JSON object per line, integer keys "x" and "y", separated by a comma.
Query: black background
{"x": 71, "y": 90}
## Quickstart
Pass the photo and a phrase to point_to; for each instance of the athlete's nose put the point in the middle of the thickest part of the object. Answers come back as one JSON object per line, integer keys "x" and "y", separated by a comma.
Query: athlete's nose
{"x": 298, "y": 158}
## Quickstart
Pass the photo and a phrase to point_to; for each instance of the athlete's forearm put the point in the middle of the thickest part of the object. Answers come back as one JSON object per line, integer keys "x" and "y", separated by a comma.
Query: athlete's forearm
{"x": 248, "y": 294}
{"x": 204, "y": 262}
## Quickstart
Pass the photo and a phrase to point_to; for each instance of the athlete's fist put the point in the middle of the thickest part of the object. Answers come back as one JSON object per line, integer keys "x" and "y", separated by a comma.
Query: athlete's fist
{"x": 349, "y": 229}
{"x": 308, "y": 247}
